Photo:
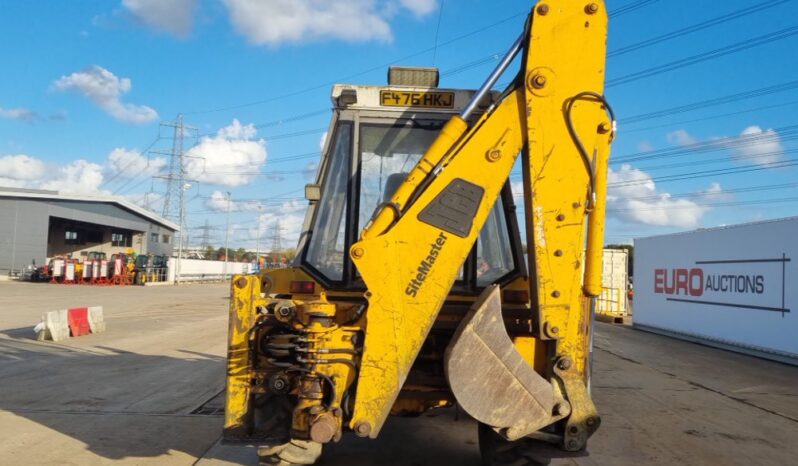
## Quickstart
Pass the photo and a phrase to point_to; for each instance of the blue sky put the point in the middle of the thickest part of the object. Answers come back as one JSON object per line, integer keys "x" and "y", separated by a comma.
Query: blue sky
{"x": 86, "y": 85}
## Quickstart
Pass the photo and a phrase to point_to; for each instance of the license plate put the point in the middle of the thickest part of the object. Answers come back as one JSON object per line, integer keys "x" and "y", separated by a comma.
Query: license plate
{"x": 431, "y": 99}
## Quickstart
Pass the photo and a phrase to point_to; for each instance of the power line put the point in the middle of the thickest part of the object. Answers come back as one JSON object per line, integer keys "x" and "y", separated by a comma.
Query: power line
{"x": 710, "y": 205}
{"x": 630, "y": 7}
{"x": 292, "y": 118}
{"x": 437, "y": 30}
{"x": 748, "y": 10}
{"x": 735, "y": 158}
{"x": 132, "y": 161}
{"x": 731, "y": 143}
{"x": 498, "y": 55}
{"x": 473, "y": 64}
{"x": 698, "y": 174}
{"x": 710, "y": 117}
{"x": 317, "y": 130}
{"x": 360, "y": 73}
{"x": 702, "y": 57}
{"x": 781, "y": 134}
{"x": 294, "y": 134}
{"x": 762, "y": 91}
{"x": 124, "y": 191}
{"x": 687, "y": 61}
{"x": 467, "y": 66}
{"x": 694, "y": 195}
{"x": 706, "y": 173}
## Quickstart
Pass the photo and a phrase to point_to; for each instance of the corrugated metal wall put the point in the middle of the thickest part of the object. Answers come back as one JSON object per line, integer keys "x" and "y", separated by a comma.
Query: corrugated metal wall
{"x": 23, "y": 233}
{"x": 24, "y": 227}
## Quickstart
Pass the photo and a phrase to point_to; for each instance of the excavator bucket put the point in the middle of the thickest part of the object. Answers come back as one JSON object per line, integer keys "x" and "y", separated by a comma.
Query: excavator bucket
{"x": 491, "y": 380}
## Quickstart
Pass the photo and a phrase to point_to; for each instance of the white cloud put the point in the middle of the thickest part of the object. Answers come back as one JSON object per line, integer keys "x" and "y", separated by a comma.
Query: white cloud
{"x": 289, "y": 214}
{"x": 754, "y": 145}
{"x": 172, "y": 16}
{"x": 79, "y": 177}
{"x": 275, "y": 22}
{"x": 231, "y": 158}
{"x": 715, "y": 193}
{"x": 757, "y": 146}
{"x": 322, "y": 141}
{"x": 21, "y": 168}
{"x": 130, "y": 163}
{"x": 24, "y": 171}
{"x": 18, "y": 114}
{"x": 105, "y": 89}
{"x": 218, "y": 203}
{"x": 289, "y": 217}
{"x": 517, "y": 188}
{"x": 681, "y": 137}
{"x": 420, "y": 7}
{"x": 633, "y": 197}
{"x": 309, "y": 172}
{"x": 149, "y": 200}
{"x": 12, "y": 183}
{"x": 59, "y": 115}
{"x": 645, "y": 146}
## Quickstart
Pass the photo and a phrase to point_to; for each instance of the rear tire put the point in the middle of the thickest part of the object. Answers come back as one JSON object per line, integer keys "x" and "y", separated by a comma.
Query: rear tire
{"x": 497, "y": 451}
{"x": 293, "y": 453}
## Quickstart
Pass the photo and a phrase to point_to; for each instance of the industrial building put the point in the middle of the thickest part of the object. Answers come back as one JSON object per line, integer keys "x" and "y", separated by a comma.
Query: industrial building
{"x": 37, "y": 224}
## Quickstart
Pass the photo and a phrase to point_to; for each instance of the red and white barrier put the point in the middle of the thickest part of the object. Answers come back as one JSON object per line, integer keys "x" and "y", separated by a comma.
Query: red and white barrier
{"x": 95, "y": 270}
{"x": 120, "y": 275}
{"x": 57, "y": 271}
{"x": 69, "y": 273}
{"x": 87, "y": 268}
{"x": 103, "y": 280}
{"x": 78, "y": 321}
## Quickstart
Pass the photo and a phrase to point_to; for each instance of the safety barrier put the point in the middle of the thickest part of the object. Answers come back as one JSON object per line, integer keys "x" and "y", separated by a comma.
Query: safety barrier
{"x": 103, "y": 272}
{"x": 150, "y": 275}
{"x": 121, "y": 276}
{"x": 196, "y": 270}
{"x": 73, "y": 322}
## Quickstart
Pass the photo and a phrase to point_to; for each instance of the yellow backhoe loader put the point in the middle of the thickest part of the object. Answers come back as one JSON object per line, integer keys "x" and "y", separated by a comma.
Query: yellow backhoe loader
{"x": 411, "y": 289}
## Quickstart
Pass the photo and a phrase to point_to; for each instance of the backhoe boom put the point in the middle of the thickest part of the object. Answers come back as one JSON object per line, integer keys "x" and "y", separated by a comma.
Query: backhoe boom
{"x": 410, "y": 254}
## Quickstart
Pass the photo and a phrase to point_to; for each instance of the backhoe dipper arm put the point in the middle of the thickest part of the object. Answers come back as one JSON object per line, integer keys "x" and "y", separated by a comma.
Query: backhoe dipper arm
{"x": 410, "y": 253}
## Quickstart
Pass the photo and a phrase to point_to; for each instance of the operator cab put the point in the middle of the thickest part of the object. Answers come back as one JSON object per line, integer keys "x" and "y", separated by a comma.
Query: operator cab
{"x": 376, "y": 137}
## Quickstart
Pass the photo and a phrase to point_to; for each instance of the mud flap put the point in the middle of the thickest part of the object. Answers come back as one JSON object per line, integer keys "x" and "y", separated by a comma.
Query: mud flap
{"x": 491, "y": 380}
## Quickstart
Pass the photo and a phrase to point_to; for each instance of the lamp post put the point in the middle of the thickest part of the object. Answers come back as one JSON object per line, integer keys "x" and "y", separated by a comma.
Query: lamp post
{"x": 257, "y": 239}
{"x": 183, "y": 229}
{"x": 227, "y": 236}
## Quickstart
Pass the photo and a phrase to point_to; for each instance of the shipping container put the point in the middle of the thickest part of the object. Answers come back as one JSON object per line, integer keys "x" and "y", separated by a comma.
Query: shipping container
{"x": 613, "y": 304}
{"x": 732, "y": 287}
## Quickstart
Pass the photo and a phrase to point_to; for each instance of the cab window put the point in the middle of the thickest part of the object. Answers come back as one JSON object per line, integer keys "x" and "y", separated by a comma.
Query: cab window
{"x": 387, "y": 154}
{"x": 327, "y": 247}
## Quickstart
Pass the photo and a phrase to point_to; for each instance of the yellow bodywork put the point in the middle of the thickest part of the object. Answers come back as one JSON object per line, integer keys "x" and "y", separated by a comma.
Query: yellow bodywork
{"x": 398, "y": 322}
{"x": 410, "y": 253}
{"x": 570, "y": 40}
{"x": 244, "y": 297}
{"x": 330, "y": 352}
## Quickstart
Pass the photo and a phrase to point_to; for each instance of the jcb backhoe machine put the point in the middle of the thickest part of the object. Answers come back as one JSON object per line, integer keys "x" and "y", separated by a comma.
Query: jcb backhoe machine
{"x": 410, "y": 290}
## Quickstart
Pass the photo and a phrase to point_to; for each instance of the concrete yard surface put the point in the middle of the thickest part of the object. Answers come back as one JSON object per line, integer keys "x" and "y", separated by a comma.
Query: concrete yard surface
{"x": 124, "y": 396}
{"x": 147, "y": 392}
